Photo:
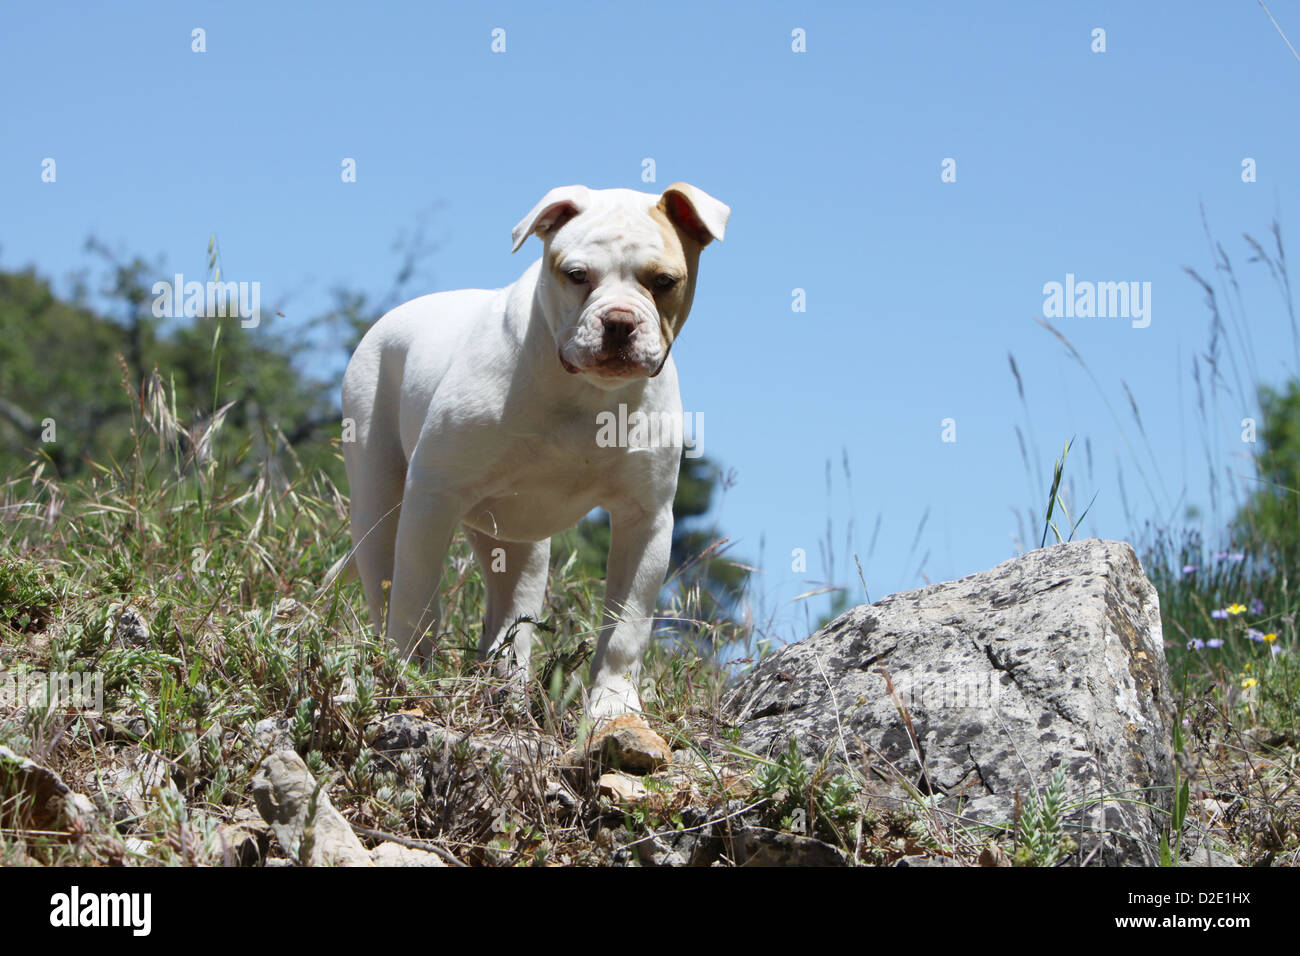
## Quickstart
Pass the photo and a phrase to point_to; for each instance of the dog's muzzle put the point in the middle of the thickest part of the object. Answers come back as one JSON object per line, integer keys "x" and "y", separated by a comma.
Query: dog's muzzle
{"x": 618, "y": 352}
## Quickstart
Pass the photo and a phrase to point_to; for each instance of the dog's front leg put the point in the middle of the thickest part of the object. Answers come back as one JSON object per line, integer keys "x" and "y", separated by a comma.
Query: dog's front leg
{"x": 429, "y": 517}
{"x": 638, "y": 561}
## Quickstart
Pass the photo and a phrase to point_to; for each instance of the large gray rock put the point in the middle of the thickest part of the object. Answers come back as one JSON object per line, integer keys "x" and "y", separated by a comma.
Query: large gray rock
{"x": 1053, "y": 658}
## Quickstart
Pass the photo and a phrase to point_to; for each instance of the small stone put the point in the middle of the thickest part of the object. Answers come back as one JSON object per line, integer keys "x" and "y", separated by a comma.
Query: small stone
{"x": 628, "y": 744}
{"x": 125, "y": 793}
{"x": 913, "y": 861}
{"x": 273, "y": 734}
{"x": 994, "y": 855}
{"x": 558, "y": 793}
{"x": 1205, "y": 856}
{"x": 245, "y": 842}
{"x": 283, "y": 789}
{"x": 759, "y": 846}
{"x": 131, "y": 628}
{"x": 621, "y": 788}
{"x": 394, "y": 854}
{"x": 47, "y": 801}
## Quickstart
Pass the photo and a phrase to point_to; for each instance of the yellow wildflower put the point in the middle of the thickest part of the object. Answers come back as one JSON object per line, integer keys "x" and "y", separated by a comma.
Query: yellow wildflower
{"x": 1270, "y": 638}
{"x": 1236, "y": 609}
{"x": 1248, "y": 683}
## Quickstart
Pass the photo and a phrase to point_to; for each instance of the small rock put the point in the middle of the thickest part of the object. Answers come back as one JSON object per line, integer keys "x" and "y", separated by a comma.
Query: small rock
{"x": 994, "y": 855}
{"x": 926, "y": 861}
{"x": 759, "y": 846}
{"x": 130, "y": 627}
{"x": 122, "y": 727}
{"x": 125, "y": 793}
{"x": 621, "y": 788}
{"x": 272, "y": 734}
{"x": 244, "y": 842}
{"x": 283, "y": 790}
{"x": 627, "y": 743}
{"x": 1205, "y": 856}
{"x": 394, "y": 854}
{"x": 557, "y": 792}
{"x": 655, "y": 851}
{"x": 50, "y": 804}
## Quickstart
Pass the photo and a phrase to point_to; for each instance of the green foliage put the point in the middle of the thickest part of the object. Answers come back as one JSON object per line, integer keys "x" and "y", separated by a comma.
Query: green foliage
{"x": 68, "y": 375}
{"x": 27, "y": 593}
{"x": 1056, "y": 502}
{"x": 807, "y": 801}
{"x": 1270, "y": 518}
{"x": 1278, "y": 694}
{"x": 1040, "y": 833}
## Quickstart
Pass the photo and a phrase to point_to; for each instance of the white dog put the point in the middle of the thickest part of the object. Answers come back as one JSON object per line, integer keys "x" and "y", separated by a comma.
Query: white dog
{"x": 481, "y": 409}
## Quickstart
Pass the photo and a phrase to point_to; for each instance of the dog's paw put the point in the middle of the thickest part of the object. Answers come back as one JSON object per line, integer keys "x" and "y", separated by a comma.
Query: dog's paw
{"x": 612, "y": 698}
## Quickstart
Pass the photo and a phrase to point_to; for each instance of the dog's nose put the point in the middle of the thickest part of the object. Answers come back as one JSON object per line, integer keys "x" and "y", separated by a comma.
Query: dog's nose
{"x": 618, "y": 326}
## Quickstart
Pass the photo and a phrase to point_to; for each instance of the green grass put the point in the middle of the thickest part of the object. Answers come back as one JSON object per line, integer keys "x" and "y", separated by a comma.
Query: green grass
{"x": 192, "y": 582}
{"x": 220, "y": 560}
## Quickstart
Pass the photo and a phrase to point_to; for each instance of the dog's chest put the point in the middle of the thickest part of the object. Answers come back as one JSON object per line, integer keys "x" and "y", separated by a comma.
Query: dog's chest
{"x": 542, "y": 482}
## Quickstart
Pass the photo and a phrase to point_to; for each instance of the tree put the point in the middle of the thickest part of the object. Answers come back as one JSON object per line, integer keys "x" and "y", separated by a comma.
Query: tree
{"x": 1269, "y": 521}
{"x": 66, "y": 374}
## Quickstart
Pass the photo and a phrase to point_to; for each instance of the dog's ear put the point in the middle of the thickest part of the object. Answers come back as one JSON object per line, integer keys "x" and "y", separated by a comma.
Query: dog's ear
{"x": 695, "y": 212}
{"x": 556, "y": 208}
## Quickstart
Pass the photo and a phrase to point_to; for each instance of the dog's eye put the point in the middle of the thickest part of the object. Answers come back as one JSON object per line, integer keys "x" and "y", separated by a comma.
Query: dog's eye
{"x": 664, "y": 282}
{"x": 577, "y": 276}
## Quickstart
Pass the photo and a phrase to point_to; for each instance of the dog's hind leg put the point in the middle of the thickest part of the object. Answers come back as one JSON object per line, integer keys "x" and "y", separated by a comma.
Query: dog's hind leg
{"x": 376, "y": 469}
{"x": 514, "y": 575}
{"x": 376, "y": 508}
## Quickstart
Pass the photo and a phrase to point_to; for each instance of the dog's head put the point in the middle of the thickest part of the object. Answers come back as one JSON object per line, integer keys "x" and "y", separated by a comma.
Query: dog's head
{"x": 618, "y": 273}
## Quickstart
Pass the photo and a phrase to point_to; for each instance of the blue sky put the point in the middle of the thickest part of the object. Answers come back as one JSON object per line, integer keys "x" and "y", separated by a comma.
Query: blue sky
{"x": 1067, "y": 161}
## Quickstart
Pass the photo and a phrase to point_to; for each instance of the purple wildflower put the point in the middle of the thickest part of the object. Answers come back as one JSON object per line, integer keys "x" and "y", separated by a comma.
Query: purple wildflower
{"x": 1256, "y": 606}
{"x": 1219, "y": 614}
{"x": 1214, "y": 642}
{"x": 1191, "y": 568}
{"x": 1254, "y": 635}
{"x": 1195, "y": 644}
